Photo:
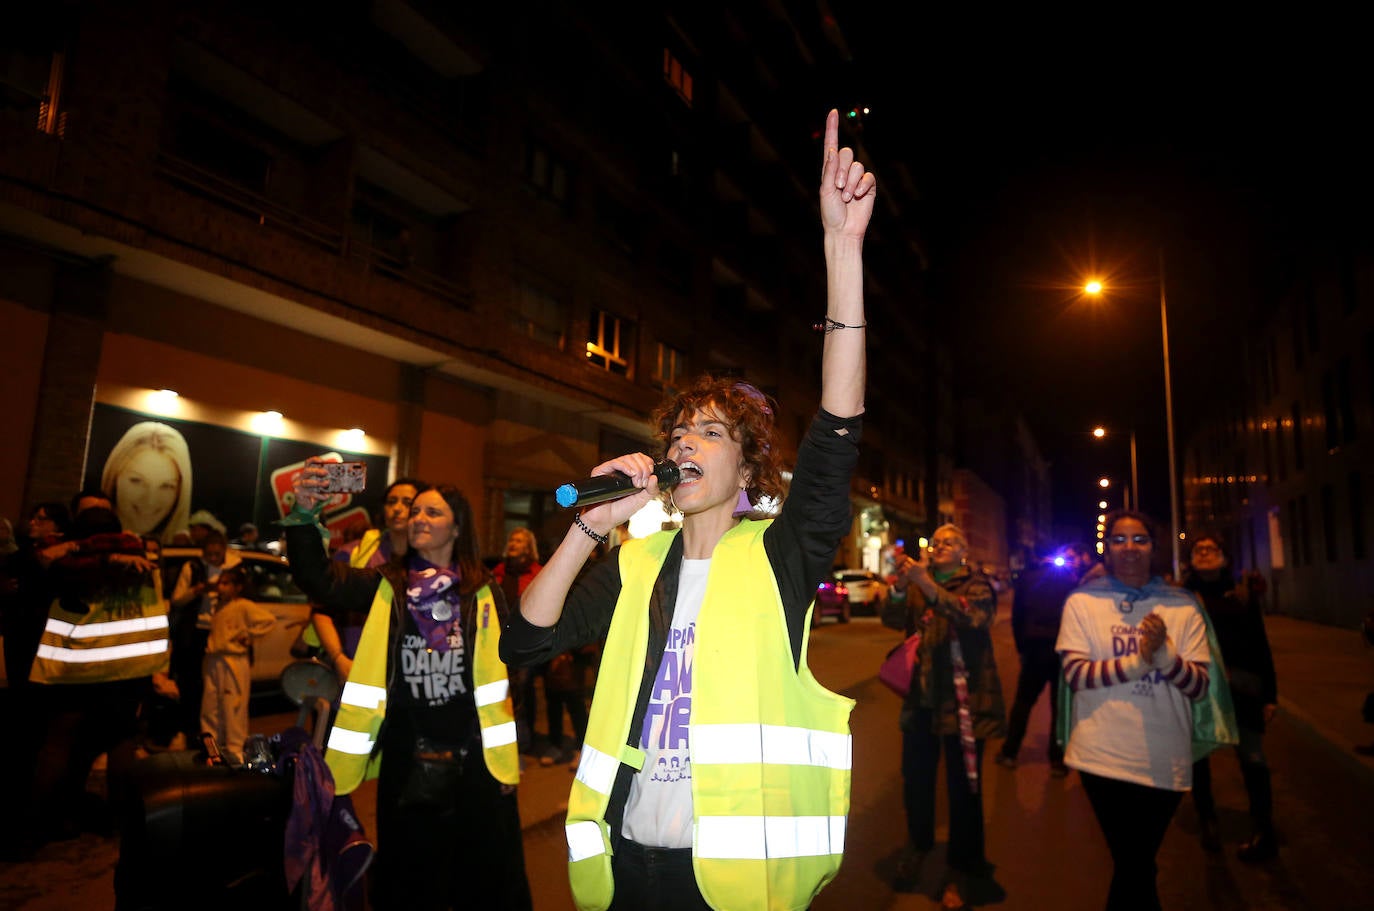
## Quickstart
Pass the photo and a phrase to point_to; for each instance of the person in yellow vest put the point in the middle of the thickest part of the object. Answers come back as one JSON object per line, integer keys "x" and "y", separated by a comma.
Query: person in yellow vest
{"x": 716, "y": 769}
{"x": 339, "y": 641}
{"x": 427, "y": 705}
{"x": 104, "y": 640}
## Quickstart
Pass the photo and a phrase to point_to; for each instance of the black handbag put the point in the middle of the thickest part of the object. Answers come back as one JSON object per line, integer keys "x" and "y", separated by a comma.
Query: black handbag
{"x": 435, "y": 774}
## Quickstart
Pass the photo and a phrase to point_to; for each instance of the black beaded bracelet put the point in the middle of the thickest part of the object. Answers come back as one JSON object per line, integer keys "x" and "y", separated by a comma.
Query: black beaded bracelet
{"x": 599, "y": 539}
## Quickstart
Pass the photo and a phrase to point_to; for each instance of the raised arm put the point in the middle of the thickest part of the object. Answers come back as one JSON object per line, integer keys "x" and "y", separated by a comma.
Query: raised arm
{"x": 846, "y": 200}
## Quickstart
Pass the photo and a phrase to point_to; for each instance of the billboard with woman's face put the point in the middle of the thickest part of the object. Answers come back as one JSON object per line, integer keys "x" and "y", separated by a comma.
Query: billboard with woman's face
{"x": 157, "y": 471}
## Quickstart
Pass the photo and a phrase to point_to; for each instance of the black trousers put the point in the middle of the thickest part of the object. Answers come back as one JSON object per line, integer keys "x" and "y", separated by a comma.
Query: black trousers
{"x": 465, "y": 851}
{"x": 1039, "y": 668}
{"x": 657, "y": 878}
{"x": 81, "y": 721}
{"x": 1254, "y": 768}
{"x": 921, "y": 749}
{"x": 1133, "y": 819}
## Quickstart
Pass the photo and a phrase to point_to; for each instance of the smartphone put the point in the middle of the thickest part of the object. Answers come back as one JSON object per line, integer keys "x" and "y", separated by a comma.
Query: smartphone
{"x": 345, "y": 477}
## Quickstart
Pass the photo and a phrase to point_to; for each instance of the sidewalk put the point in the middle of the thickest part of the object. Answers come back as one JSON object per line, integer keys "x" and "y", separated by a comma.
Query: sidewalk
{"x": 1324, "y": 673}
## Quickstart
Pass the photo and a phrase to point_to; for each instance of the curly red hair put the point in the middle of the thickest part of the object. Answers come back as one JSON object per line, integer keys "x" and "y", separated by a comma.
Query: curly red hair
{"x": 746, "y": 411}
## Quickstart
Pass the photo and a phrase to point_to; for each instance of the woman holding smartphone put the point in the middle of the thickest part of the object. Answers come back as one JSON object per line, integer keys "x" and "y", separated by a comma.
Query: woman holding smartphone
{"x": 428, "y": 690}
{"x": 954, "y": 705}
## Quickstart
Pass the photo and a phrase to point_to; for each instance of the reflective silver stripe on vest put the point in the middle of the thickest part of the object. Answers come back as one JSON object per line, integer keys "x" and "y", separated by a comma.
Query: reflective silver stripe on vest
{"x": 770, "y": 743}
{"x": 584, "y": 840}
{"x": 762, "y": 837}
{"x": 355, "y": 743}
{"x": 108, "y": 653}
{"x": 108, "y": 628}
{"x": 597, "y": 770}
{"x": 363, "y": 695}
{"x": 498, "y": 735}
{"x": 487, "y": 693}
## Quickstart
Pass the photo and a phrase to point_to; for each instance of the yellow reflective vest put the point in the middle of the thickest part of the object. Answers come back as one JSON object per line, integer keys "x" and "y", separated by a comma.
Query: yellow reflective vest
{"x": 770, "y": 747}
{"x": 350, "y": 752}
{"x": 358, "y": 558}
{"x": 121, "y": 637}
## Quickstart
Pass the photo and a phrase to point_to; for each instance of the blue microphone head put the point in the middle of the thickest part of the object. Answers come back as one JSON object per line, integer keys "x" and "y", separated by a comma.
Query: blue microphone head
{"x": 566, "y": 495}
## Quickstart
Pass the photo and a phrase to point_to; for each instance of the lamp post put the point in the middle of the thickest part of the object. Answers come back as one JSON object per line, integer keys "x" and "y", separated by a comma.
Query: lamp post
{"x": 1134, "y": 493}
{"x": 1095, "y": 288}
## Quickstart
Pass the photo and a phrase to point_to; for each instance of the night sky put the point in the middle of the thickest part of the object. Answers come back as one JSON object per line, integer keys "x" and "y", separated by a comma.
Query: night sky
{"x": 1051, "y": 154}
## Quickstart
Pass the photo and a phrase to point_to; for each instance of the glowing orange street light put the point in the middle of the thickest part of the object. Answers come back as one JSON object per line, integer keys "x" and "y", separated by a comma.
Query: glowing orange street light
{"x": 1094, "y": 287}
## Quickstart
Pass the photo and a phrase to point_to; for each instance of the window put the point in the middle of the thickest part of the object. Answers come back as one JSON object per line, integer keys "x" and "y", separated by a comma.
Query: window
{"x": 538, "y": 316}
{"x": 669, "y": 365}
{"x": 1329, "y": 522}
{"x": 1305, "y": 524}
{"x": 676, "y": 75}
{"x": 1356, "y": 516}
{"x": 608, "y": 342}
{"x": 1280, "y": 452}
{"x": 619, "y": 224}
{"x": 1344, "y": 401}
{"x": 1297, "y": 437}
{"x": 1333, "y": 430}
{"x": 546, "y": 172}
{"x": 1293, "y": 531}
{"x": 31, "y": 70}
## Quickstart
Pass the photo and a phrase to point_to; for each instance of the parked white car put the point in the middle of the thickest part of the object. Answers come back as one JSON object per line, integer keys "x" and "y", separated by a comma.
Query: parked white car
{"x": 269, "y": 585}
{"x": 867, "y": 590}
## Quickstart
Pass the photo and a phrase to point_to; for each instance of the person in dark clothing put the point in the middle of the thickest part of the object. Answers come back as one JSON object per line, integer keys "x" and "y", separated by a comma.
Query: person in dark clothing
{"x": 1037, "y": 604}
{"x": 425, "y": 700}
{"x": 1238, "y": 620}
{"x": 955, "y": 681}
{"x": 706, "y": 629}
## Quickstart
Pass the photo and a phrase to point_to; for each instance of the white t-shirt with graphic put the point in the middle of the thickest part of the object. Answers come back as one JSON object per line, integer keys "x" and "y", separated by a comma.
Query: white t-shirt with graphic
{"x": 1141, "y": 730}
{"x": 658, "y": 812}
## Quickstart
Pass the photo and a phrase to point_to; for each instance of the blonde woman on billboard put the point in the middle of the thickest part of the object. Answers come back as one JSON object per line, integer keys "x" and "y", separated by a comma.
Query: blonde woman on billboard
{"x": 147, "y": 477}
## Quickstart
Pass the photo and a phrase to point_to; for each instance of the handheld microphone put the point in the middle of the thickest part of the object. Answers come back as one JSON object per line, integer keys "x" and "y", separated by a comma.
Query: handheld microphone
{"x": 613, "y": 486}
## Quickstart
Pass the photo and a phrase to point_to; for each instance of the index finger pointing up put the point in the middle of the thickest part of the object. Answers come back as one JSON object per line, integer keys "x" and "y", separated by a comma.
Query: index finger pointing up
{"x": 832, "y": 141}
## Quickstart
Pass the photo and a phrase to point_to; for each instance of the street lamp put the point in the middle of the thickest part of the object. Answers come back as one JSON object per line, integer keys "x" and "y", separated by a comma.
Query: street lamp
{"x": 1134, "y": 493}
{"x": 1104, "y": 483}
{"x": 1094, "y": 288}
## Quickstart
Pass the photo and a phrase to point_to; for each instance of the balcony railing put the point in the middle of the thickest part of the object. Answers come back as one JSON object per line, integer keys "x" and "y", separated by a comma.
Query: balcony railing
{"x": 268, "y": 214}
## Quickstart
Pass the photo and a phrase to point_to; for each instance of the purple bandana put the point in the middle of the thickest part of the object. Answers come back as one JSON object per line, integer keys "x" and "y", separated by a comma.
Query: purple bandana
{"x": 433, "y": 599}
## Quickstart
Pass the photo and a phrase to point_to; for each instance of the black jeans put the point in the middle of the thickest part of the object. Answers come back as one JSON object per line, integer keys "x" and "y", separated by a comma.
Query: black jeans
{"x": 1254, "y": 768}
{"x": 1134, "y": 819}
{"x": 1039, "y": 667}
{"x": 657, "y": 878}
{"x": 466, "y": 852}
{"x": 921, "y": 749}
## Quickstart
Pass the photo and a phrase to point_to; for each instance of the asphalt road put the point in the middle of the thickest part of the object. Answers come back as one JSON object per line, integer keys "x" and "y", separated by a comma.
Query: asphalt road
{"x": 1042, "y": 838}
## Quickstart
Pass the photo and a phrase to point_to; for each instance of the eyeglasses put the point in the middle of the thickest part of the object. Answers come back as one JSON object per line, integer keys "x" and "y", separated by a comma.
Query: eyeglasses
{"x": 1206, "y": 549}
{"x": 1134, "y": 539}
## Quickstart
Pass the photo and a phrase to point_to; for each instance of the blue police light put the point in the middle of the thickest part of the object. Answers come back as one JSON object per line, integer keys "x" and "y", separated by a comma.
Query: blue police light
{"x": 1058, "y": 561}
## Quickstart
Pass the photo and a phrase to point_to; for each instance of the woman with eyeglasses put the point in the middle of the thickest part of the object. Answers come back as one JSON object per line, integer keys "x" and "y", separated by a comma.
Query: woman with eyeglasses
{"x": 954, "y": 705}
{"x": 1135, "y": 659}
{"x": 1239, "y": 624}
{"x": 715, "y": 770}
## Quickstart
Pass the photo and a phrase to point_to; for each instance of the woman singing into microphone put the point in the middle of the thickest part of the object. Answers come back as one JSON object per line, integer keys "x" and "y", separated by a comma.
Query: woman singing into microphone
{"x": 716, "y": 769}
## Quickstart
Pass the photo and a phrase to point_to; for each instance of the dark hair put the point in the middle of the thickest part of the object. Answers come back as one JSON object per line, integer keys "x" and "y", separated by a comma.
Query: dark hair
{"x": 83, "y": 493}
{"x": 1215, "y": 538}
{"x": 1118, "y": 515}
{"x": 57, "y": 512}
{"x": 214, "y": 537}
{"x": 95, "y": 520}
{"x": 235, "y": 574}
{"x": 420, "y": 486}
{"x": 465, "y": 552}
{"x": 746, "y": 411}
